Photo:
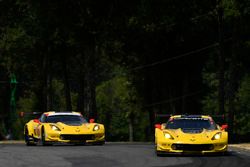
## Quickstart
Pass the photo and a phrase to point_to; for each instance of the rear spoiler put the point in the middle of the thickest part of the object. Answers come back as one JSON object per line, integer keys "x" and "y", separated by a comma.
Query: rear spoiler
{"x": 163, "y": 115}
{"x": 162, "y": 118}
{"x": 23, "y": 114}
{"x": 219, "y": 119}
{"x": 218, "y": 116}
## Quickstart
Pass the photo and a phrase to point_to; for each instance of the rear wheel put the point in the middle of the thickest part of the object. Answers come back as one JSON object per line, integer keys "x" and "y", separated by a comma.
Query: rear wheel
{"x": 28, "y": 139}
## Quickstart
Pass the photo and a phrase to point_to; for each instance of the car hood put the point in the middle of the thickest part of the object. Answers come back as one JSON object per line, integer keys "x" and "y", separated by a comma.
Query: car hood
{"x": 86, "y": 127}
{"x": 204, "y": 135}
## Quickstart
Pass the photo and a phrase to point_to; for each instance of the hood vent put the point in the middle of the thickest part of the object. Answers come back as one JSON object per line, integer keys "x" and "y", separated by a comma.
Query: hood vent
{"x": 192, "y": 131}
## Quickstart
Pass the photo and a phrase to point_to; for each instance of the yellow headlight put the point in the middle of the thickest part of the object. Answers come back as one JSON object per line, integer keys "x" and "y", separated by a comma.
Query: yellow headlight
{"x": 217, "y": 136}
{"x": 55, "y": 128}
{"x": 96, "y": 127}
{"x": 168, "y": 136}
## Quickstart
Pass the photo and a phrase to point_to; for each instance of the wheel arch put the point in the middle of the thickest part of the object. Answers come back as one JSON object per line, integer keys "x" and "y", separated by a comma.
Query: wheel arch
{"x": 28, "y": 128}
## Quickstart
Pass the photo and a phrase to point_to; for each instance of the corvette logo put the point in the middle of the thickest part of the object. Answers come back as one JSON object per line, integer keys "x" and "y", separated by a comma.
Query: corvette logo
{"x": 192, "y": 139}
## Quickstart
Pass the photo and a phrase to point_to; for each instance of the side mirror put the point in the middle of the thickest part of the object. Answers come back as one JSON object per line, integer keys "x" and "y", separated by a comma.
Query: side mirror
{"x": 224, "y": 127}
{"x": 91, "y": 120}
{"x": 158, "y": 126}
{"x": 36, "y": 121}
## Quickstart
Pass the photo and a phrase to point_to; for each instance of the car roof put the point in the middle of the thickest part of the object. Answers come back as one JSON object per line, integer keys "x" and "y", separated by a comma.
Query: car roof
{"x": 190, "y": 116}
{"x": 52, "y": 113}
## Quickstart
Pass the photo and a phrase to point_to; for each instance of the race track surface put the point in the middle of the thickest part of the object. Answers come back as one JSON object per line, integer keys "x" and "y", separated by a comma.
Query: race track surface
{"x": 111, "y": 155}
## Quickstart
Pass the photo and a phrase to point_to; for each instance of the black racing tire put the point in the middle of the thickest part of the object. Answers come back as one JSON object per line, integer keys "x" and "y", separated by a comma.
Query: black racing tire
{"x": 80, "y": 144}
{"x": 27, "y": 138}
{"x": 162, "y": 153}
{"x": 99, "y": 143}
{"x": 158, "y": 153}
{"x": 43, "y": 140}
{"x": 226, "y": 153}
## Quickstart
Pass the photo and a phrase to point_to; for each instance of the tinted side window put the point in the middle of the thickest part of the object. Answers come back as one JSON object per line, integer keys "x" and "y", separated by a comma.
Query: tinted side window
{"x": 42, "y": 118}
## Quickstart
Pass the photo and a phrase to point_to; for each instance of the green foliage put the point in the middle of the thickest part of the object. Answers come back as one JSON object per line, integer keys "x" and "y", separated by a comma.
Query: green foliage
{"x": 231, "y": 8}
{"x": 58, "y": 94}
{"x": 243, "y": 106}
{"x": 98, "y": 37}
{"x": 14, "y": 43}
{"x": 210, "y": 102}
{"x": 27, "y": 104}
{"x": 117, "y": 104}
{"x": 241, "y": 100}
{"x": 112, "y": 106}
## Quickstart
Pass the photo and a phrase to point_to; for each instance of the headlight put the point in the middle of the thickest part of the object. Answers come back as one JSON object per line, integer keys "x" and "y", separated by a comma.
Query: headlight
{"x": 55, "y": 128}
{"x": 217, "y": 136}
{"x": 96, "y": 127}
{"x": 168, "y": 136}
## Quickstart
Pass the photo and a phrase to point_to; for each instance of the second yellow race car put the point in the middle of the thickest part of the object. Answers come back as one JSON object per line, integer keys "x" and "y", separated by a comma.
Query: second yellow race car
{"x": 190, "y": 134}
{"x": 63, "y": 127}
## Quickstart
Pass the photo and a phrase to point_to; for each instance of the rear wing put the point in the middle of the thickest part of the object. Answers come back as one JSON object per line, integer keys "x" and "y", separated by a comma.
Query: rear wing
{"x": 29, "y": 114}
{"x": 219, "y": 119}
{"x": 162, "y": 118}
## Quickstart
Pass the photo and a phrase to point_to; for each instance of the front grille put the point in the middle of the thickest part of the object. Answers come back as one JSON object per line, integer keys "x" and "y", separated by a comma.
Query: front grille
{"x": 77, "y": 137}
{"x": 192, "y": 147}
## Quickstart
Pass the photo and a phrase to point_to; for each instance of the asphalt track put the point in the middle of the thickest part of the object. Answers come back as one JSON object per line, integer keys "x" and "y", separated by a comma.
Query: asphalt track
{"x": 111, "y": 155}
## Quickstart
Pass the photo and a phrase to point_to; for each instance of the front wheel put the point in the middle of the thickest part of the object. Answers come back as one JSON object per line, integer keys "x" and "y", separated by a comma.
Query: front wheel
{"x": 43, "y": 140}
{"x": 158, "y": 153}
{"x": 100, "y": 143}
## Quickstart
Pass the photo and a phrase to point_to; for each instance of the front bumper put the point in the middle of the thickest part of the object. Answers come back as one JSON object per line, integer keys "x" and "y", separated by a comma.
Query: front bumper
{"x": 75, "y": 138}
{"x": 201, "y": 148}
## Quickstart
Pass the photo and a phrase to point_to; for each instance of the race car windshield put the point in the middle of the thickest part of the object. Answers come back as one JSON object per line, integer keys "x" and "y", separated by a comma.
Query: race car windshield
{"x": 73, "y": 120}
{"x": 191, "y": 124}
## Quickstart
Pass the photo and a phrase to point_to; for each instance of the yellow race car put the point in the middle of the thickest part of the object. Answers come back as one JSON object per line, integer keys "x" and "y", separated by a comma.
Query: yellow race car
{"x": 63, "y": 127}
{"x": 190, "y": 134}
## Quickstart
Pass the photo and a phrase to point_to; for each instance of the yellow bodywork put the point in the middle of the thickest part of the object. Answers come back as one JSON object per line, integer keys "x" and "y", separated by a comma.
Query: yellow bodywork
{"x": 180, "y": 142}
{"x": 85, "y": 133}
